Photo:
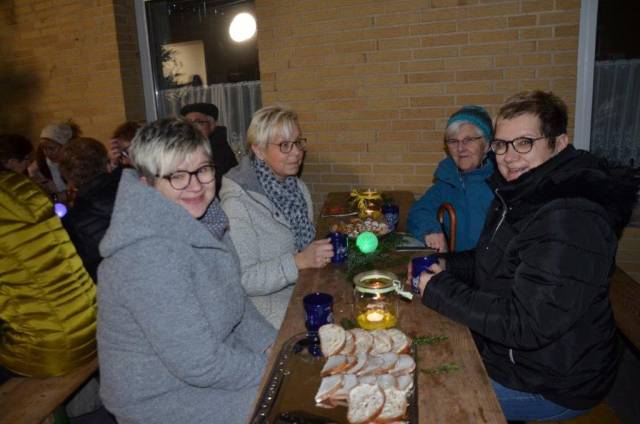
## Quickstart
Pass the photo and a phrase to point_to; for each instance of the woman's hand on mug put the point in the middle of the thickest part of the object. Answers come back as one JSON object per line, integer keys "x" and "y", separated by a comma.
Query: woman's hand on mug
{"x": 316, "y": 255}
{"x": 436, "y": 241}
{"x": 426, "y": 277}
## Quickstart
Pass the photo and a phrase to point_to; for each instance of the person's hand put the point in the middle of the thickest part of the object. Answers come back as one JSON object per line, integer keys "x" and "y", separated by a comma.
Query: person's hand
{"x": 436, "y": 241}
{"x": 316, "y": 255}
{"x": 426, "y": 277}
{"x": 115, "y": 150}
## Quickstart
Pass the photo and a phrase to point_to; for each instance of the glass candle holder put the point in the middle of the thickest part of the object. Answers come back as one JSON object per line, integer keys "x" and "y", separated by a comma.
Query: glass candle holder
{"x": 376, "y": 299}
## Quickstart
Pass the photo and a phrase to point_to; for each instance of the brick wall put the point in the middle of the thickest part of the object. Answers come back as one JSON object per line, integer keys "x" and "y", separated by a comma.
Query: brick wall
{"x": 62, "y": 59}
{"x": 374, "y": 81}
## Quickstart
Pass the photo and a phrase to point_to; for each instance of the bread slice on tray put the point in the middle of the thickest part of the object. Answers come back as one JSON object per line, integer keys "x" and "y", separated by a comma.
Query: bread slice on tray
{"x": 332, "y": 339}
{"x": 361, "y": 362}
{"x": 363, "y": 340}
{"x": 328, "y": 386}
{"x": 365, "y": 403}
{"x": 395, "y": 405}
{"x": 382, "y": 342}
{"x": 349, "y": 344}
{"x": 349, "y": 381}
{"x": 405, "y": 383}
{"x": 401, "y": 342}
{"x": 404, "y": 365}
{"x": 334, "y": 365}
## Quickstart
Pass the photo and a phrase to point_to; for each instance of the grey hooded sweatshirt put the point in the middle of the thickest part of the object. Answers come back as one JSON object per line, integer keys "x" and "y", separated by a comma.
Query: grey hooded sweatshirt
{"x": 178, "y": 339}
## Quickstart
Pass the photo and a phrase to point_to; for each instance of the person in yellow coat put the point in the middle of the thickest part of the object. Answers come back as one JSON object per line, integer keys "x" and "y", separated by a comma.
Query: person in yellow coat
{"x": 47, "y": 299}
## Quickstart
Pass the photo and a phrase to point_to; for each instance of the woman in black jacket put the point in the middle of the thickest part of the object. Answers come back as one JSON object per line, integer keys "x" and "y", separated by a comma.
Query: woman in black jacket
{"x": 85, "y": 166}
{"x": 535, "y": 290}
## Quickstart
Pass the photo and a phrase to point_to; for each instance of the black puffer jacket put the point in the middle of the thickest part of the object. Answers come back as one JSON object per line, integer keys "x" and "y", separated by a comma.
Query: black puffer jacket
{"x": 90, "y": 216}
{"x": 535, "y": 290}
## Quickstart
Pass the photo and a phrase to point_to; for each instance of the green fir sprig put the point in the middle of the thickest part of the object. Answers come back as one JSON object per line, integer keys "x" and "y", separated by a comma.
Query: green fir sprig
{"x": 445, "y": 368}
{"x": 428, "y": 340}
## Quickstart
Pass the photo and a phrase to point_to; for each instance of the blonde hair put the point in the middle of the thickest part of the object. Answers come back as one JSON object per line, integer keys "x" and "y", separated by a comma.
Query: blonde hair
{"x": 159, "y": 147}
{"x": 269, "y": 121}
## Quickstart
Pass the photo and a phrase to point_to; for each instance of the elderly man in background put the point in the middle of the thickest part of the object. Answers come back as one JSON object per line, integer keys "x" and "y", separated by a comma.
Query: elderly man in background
{"x": 205, "y": 117}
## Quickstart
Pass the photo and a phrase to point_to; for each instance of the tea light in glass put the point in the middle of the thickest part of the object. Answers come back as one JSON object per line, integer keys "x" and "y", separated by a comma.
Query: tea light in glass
{"x": 375, "y": 300}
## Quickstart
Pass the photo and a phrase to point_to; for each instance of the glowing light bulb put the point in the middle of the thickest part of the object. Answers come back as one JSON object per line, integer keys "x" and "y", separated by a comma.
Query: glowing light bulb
{"x": 367, "y": 242}
{"x": 243, "y": 27}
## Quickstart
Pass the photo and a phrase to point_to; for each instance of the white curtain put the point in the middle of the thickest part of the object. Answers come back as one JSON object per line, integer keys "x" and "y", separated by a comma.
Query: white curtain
{"x": 236, "y": 102}
{"x": 615, "y": 122}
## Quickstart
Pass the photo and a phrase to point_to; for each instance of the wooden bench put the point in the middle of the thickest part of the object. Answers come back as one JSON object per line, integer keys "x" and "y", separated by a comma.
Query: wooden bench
{"x": 31, "y": 400}
{"x": 625, "y": 300}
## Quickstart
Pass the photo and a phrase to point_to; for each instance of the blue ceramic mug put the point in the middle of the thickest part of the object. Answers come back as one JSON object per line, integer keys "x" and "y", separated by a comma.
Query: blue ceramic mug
{"x": 339, "y": 241}
{"x": 318, "y": 310}
{"x": 419, "y": 264}
{"x": 392, "y": 215}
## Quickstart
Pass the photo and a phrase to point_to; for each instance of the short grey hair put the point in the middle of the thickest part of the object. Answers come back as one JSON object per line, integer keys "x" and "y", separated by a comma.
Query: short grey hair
{"x": 269, "y": 121}
{"x": 160, "y": 146}
{"x": 452, "y": 130}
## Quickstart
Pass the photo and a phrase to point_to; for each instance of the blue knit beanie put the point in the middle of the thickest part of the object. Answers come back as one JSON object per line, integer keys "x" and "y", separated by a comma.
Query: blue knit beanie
{"x": 477, "y": 116}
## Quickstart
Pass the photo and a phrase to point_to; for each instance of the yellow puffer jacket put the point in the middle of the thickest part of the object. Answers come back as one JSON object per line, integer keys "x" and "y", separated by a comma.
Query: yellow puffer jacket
{"x": 47, "y": 299}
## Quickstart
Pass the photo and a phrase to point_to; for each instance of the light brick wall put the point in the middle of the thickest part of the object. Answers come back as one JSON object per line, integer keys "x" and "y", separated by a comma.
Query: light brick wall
{"x": 61, "y": 59}
{"x": 374, "y": 81}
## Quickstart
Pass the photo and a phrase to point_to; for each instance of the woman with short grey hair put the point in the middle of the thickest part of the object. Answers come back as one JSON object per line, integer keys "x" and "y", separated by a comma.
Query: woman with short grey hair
{"x": 270, "y": 212}
{"x": 179, "y": 340}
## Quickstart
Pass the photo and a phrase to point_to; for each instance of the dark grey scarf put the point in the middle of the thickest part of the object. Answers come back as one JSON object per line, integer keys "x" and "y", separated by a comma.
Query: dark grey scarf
{"x": 288, "y": 198}
{"x": 215, "y": 220}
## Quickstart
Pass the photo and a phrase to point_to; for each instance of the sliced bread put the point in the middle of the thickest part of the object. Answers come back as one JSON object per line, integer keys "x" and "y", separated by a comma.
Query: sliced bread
{"x": 328, "y": 386}
{"x": 401, "y": 342}
{"x": 395, "y": 405}
{"x": 365, "y": 403}
{"x": 332, "y": 339}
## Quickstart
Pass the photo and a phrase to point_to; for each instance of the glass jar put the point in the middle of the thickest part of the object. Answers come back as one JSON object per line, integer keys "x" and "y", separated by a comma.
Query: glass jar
{"x": 376, "y": 299}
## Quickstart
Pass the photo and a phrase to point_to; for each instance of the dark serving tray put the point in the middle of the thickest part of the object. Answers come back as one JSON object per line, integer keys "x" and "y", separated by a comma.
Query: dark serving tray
{"x": 288, "y": 397}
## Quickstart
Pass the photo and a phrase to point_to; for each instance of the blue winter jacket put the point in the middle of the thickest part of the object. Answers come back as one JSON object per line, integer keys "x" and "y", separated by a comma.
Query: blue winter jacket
{"x": 467, "y": 192}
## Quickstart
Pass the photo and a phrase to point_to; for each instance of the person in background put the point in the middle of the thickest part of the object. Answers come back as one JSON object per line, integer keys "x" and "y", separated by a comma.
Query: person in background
{"x": 48, "y": 311}
{"x": 85, "y": 167}
{"x": 44, "y": 171}
{"x": 460, "y": 180}
{"x": 179, "y": 340}
{"x": 120, "y": 142}
{"x": 535, "y": 291}
{"x": 205, "y": 117}
{"x": 15, "y": 152}
{"x": 271, "y": 214}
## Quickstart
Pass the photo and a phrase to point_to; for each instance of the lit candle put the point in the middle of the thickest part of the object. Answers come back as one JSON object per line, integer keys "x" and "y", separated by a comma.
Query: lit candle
{"x": 375, "y": 316}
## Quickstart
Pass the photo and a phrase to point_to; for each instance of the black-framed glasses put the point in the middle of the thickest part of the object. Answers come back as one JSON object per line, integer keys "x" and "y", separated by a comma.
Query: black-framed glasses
{"x": 519, "y": 144}
{"x": 452, "y": 142}
{"x": 180, "y": 180}
{"x": 287, "y": 146}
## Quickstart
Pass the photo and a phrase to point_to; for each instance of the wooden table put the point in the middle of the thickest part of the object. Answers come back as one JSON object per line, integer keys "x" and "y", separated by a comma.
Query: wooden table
{"x": 463, "y": 396}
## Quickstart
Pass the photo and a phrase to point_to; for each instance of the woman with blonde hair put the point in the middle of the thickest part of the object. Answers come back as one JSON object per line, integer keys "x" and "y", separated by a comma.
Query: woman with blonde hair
{"x": 270, "y": 212}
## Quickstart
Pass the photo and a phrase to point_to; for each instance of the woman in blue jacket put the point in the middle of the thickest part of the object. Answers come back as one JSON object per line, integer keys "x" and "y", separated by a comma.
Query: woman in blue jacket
{"x": 460, "y": 180}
